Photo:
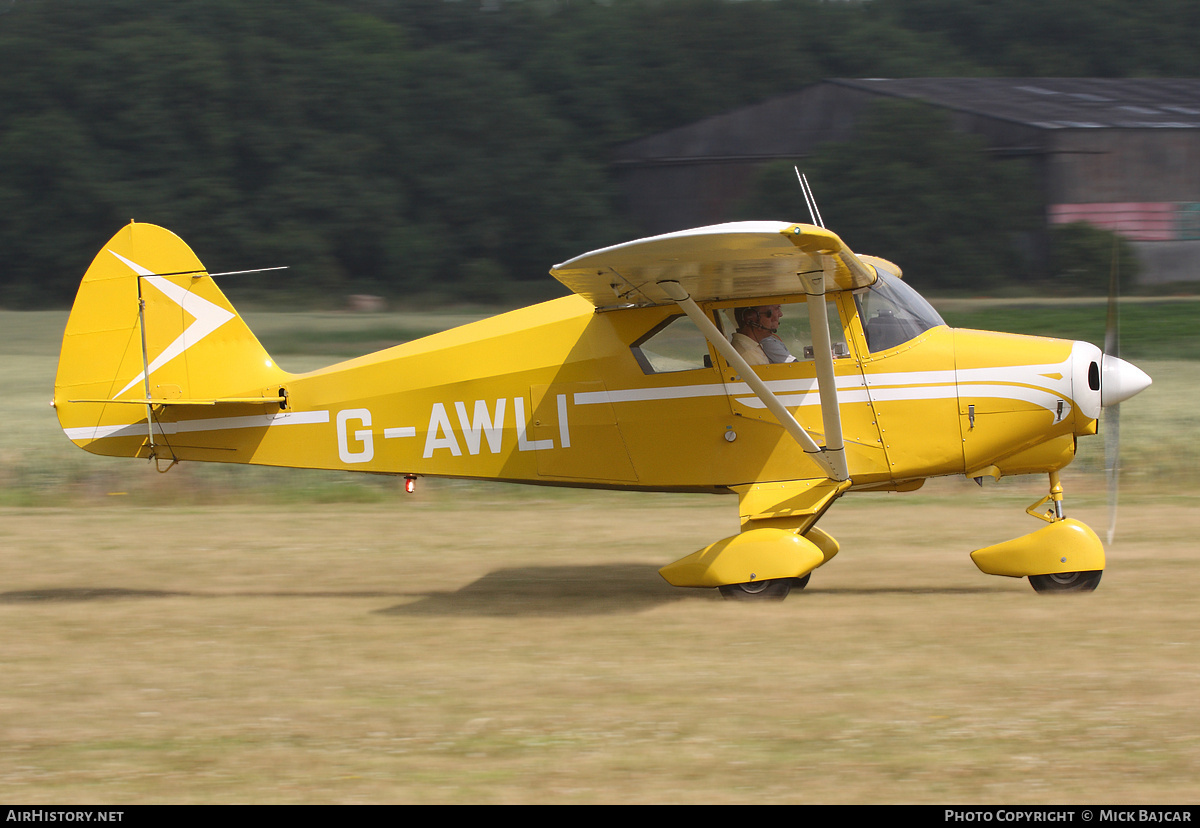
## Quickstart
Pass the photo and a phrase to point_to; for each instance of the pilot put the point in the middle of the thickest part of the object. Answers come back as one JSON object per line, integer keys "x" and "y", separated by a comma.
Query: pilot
{"x": 757, "y": 337}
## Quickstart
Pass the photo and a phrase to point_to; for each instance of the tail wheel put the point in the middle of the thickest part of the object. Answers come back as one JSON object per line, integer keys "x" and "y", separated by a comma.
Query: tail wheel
{"x": 1067, "y": 581}
{"x": 772, "y": 589}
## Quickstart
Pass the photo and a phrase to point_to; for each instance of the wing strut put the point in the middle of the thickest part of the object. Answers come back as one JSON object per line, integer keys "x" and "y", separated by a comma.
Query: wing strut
{"x": 832, "y": 461}
{"x": 831, "y": 413}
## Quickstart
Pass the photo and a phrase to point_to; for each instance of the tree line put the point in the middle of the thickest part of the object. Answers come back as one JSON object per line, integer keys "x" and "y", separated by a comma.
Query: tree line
{"x": 442, "y": 149}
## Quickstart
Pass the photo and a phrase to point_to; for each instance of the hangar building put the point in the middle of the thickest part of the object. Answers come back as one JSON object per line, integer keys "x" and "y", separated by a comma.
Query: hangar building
{"x": 1123, "y": 154}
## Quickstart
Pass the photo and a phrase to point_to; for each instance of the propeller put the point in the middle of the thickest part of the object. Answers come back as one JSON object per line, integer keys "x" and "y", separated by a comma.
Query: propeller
{"x": 1119, "y": 381}
{"x": 1112, "y": 413}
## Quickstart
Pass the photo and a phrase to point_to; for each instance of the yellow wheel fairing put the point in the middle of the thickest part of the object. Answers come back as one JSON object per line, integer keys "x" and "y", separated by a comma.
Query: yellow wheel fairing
{"x": 1064, "y": 546}
{"x": 754, "y": 555}
{"x": 823, "y": 541}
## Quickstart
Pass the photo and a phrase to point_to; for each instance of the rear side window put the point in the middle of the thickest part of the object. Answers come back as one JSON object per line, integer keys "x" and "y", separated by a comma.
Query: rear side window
{"x": 674, "y": 345}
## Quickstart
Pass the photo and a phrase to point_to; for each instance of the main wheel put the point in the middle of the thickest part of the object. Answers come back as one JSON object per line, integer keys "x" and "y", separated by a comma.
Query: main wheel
{"x": 802, "y": 581}
{"x": 772, "y": 589}
{"x": 1067, "y": 581}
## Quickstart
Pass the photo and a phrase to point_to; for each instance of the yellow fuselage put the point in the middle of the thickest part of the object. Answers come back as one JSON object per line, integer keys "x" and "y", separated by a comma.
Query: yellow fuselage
{"x": 553, "y": 394}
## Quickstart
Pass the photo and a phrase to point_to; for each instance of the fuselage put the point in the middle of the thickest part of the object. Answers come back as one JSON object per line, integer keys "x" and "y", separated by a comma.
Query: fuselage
{"x": 559, "y": 393}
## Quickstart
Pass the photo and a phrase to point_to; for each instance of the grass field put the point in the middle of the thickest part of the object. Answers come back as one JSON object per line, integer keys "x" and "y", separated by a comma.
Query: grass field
{"x": 504, "y": 648}
{"x": 1151, "y": 328}
{"x": 244, "y": 635}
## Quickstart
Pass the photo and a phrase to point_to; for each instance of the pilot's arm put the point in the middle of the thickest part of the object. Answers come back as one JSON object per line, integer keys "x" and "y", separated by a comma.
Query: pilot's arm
{"x": 775, "y": 350}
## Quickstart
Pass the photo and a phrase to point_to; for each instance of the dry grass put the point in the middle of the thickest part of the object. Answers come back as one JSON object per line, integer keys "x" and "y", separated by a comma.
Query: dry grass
{"x": 495, "y": 645}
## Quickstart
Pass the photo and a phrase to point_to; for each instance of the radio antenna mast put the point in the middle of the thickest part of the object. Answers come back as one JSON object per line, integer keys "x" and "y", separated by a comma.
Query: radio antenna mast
{"x": 809, "y": 199}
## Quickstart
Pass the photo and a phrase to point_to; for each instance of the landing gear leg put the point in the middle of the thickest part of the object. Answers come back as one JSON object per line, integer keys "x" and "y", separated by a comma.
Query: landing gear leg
{"x": 1065, "y": 556}
{"x": 1060, "y": 581}
{"x": 1055, "y": 498}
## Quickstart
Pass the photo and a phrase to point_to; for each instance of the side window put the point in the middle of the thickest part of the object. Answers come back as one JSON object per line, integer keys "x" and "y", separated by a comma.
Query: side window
{"x": 676, "y": 344}
{"x": 792, "y": 338}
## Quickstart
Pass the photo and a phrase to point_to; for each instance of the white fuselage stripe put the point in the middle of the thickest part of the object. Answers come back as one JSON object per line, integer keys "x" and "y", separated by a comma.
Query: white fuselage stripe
{"x": 212, "y": 424}
{"x": 1041, "y": 385}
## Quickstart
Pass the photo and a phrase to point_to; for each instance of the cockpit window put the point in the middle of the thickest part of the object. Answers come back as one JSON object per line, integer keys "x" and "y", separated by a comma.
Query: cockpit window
{"x": 892, "y": 313}
{"x": 675, "y": 344}
{"x": 792, "y": 339}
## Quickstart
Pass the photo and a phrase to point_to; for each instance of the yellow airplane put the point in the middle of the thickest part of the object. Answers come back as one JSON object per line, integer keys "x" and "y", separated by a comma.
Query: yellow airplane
{"x": 641, "y": 379}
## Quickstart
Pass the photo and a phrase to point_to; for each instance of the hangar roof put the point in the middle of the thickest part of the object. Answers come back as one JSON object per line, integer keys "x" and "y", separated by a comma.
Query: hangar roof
{"x": 1055, "y": 103}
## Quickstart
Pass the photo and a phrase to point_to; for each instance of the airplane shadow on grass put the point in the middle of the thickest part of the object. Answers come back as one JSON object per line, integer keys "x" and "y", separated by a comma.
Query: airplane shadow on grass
{"x": 555, "y": 590}
{"x": 521, "y": 591}
{"x": 600, "y": 590}
{"x": 77, "y": 594}
{"x": 562, "y": 590}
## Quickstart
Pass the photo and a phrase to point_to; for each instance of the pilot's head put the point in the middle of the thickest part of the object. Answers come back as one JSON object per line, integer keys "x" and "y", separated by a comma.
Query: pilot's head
{"x": 761, "y": 319}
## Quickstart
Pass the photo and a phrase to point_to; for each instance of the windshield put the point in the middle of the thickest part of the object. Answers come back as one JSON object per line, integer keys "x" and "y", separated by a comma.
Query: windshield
{"x": 892, "y": 313}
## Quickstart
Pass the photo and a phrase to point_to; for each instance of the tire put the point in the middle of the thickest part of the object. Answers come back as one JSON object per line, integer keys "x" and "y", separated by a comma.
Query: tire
{"x": 802, "y": 581}
{"x": 769, "y": 590}
{"x": 1067, "y": 581}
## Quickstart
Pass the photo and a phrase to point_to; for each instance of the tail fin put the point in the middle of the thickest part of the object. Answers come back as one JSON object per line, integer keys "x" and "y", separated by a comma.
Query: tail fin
{"x": 150, "y": 332}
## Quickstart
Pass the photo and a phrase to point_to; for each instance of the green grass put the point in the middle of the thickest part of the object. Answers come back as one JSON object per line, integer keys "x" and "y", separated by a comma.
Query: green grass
{"x": 1151, "y": 329}
{"x": 344, "y": 335}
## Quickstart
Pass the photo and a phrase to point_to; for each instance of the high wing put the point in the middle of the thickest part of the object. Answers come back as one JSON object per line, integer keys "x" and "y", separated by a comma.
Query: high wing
{"x": 745, "y": 259}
